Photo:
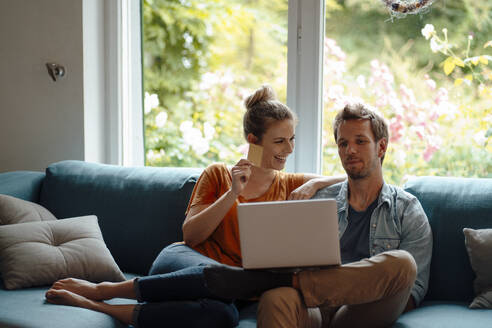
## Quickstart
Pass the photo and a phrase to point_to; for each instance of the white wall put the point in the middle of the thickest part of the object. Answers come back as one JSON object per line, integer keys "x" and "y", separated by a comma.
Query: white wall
{"x": 42, "y": 121}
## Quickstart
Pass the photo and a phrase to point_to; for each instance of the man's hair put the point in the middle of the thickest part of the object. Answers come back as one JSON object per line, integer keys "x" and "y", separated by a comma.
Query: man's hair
{"x": 359, "y": 111}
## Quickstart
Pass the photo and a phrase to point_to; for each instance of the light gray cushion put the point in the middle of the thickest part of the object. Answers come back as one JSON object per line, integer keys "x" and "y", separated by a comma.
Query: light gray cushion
{"x": 16, "y": 210}
{"x": 479, "y": 246}
{"x": 39, "y": 253}
{"x": 482, "y": 301}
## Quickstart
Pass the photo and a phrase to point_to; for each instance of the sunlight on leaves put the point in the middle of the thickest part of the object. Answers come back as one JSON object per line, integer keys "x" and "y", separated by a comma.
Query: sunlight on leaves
{"x": 449, "y": 65}
{"x": 458, "y": 62}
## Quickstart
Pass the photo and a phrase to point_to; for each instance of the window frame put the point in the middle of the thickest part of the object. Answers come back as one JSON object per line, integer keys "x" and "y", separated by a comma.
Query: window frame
{"x": 305, "y": 82}
{"x": 124, "y": 102}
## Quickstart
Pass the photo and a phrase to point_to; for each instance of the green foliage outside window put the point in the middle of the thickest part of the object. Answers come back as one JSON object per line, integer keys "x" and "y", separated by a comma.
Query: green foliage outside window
{"x": 202, "y": 57}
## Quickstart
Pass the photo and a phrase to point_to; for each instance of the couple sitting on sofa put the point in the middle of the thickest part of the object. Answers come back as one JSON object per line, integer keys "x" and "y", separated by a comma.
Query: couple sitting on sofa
{"x": 385, "y": 240}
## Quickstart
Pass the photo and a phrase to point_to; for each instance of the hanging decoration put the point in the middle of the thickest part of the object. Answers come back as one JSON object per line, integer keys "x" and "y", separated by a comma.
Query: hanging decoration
{"x": 400, "y": 8}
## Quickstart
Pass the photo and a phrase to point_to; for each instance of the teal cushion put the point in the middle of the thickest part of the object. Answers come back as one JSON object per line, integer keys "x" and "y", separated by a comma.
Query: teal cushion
{"x": 247, "y": 314}
{"x": 452, "y": 204}
{"x": 445, "y": 315}
{"x": 140, "y": 209}
{"x": 22, "y": 184}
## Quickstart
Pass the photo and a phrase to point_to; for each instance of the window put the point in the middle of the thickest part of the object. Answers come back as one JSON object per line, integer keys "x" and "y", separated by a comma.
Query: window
{"x": 439, "y": 124}
{"x": 201, "y": 58}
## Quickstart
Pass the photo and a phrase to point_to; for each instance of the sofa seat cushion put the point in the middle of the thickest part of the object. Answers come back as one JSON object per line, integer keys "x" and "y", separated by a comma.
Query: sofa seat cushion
{"x": 247, "y": 315}
{"x": 27, "y": 308}
{"x": 434, "y": 314}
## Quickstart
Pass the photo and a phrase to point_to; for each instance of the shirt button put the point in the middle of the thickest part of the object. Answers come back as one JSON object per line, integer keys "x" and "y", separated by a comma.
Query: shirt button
{"x": 374, "y": 225}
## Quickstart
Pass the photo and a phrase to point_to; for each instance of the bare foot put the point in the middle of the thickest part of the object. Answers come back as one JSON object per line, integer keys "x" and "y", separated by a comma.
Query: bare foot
{"x": 65, "y": 297}
{"x": 81, "y": 287}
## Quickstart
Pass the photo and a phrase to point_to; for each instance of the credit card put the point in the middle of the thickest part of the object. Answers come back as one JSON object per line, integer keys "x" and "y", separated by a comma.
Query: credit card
{"x": 255, "y": 153}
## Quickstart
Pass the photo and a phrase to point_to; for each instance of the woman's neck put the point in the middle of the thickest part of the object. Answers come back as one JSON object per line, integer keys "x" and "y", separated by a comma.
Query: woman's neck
{"x": 259, "y": 182}
{"x": 262, "y": 174}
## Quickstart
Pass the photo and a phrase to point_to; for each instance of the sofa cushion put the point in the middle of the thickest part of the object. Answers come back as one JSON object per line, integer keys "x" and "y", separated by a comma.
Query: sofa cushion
{"x": 39, "y": 253}
{"x": 452, "y": 204}
{"x": 27, "y": 308}
{"x": 140, "y": 209}
{"x": 15, "y": 210}
{"x": 479, "y": 247}
{"x": 433, "y": 314}
{"x": 482, "y": 301}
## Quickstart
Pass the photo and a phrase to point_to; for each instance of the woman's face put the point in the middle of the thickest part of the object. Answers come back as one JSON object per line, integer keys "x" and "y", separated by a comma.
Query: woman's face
{"x": 278, "y": 144}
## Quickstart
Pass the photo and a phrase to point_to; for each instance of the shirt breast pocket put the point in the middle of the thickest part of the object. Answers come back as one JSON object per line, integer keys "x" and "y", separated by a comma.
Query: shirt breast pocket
{"x": 384, "y": 244}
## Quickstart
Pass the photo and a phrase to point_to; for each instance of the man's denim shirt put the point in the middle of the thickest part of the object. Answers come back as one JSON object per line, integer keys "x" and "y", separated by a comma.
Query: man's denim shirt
{"x": 398, "y": 222}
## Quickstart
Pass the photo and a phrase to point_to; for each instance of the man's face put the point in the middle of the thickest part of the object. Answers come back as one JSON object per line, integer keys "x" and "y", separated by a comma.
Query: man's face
{"x": 358, "y": 150}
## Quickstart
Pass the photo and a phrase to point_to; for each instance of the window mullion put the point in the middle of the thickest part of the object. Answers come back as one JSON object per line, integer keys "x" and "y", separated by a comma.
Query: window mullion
{"x": 305, "y": 76}
{"x": 124, "y": 83}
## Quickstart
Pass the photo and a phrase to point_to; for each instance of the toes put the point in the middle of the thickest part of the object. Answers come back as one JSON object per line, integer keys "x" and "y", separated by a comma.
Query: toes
{"x": 52, "y": 294}
{"x": 66, "y": 281}
{"x": 59, "y": 285}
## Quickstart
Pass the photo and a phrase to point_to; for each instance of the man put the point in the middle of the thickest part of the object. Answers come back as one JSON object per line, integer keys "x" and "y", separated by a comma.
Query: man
{"x": 385, "y": 240}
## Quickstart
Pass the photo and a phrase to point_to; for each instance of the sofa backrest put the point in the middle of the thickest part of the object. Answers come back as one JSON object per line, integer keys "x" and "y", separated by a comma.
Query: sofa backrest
{"x": 22, "y": 184}
{"x": 452, "y": 204}
{"x": 140, "y": 209}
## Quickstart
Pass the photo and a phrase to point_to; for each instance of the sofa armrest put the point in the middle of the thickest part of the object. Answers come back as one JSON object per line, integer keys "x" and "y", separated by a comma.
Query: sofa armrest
{"x": 22, "y": 184}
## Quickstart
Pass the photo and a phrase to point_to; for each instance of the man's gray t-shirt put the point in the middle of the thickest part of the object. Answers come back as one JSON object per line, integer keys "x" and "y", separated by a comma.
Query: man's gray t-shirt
{"x": 354, "y": 244}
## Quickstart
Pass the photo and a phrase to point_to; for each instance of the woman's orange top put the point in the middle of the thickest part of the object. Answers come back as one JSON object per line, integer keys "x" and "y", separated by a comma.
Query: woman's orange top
{"x": 216, "y": 180}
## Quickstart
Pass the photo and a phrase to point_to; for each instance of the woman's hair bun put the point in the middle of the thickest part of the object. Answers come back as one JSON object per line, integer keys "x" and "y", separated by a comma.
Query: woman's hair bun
{"x": 265, "y": 93}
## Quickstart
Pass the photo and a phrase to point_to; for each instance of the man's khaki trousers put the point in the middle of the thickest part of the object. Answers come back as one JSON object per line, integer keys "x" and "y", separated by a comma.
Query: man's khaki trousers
{"x": 370, "y": 293}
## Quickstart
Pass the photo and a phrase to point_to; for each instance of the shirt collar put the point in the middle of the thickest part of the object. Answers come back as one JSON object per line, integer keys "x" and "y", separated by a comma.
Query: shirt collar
{"x": 342, "y": 197}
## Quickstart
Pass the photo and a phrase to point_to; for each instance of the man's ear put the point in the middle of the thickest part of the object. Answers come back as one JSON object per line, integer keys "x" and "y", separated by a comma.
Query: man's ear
{"x": 251, "y": 138}
{"x": 382, "y": 146}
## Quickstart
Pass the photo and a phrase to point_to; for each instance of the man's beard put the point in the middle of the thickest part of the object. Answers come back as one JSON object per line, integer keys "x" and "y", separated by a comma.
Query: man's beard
{"x": 358, "y": 175}
{"x": 363, "y": 173}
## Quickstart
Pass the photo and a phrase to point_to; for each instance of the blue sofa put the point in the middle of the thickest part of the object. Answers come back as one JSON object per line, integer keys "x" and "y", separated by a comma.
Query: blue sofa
{"x": 141, "y": 210}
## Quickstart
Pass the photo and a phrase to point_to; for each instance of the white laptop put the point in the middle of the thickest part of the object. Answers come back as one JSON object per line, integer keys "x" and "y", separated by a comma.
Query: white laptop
{"x": 284, "y": 234}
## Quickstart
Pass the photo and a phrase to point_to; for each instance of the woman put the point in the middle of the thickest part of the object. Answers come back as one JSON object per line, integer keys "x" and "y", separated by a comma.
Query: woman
{"x": 184, "y": 286}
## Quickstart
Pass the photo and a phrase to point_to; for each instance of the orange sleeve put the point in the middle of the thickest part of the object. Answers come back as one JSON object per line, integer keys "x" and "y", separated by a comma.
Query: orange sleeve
{"x": 205, "y": 190}
{"x": 294, "y": 180}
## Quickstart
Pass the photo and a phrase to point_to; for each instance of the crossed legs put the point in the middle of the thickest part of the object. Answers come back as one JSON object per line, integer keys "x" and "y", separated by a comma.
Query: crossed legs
{"x": 346, "y": 293}
{"x": 369, "y": 293}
